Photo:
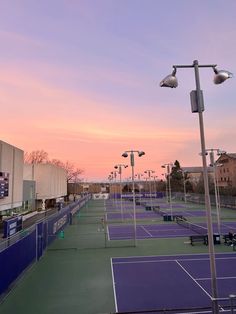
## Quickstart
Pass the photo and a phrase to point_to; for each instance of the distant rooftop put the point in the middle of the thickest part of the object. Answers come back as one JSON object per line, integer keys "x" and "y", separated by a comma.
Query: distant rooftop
{"x": 231, "y": 155}
{"x": 196, "y": 169}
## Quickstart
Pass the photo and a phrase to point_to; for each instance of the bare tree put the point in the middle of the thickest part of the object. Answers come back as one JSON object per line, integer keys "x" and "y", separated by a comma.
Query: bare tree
{"x": 36, "y": 157}
{"x": 73, "y": 174}
{"x": 40, "y": 156}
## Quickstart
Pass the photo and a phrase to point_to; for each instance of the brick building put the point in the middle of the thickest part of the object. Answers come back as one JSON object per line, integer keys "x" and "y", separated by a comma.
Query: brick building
{"x": 226, "y": 170}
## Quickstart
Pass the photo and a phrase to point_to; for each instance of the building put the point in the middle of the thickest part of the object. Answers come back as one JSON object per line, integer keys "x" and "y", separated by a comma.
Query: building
{"x": 50, "y": 183}
{"x": 195, "y": 173}
{"x": 226, "y": 170}
{"x": 87, "y": 187}
{"x": 11, "y": 178}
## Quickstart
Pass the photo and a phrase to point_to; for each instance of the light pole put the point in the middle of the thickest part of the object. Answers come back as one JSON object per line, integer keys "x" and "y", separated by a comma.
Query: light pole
{"x": 197, "y": 105}
{"x": 184, "y": 183}
{"x": 139, "y": 175}
{"x": 149, "y": 172}
{"x": 213, "y": 164}
{"x": 110, "y": 178}
{"x": 155, "y": 185}
{"x": 167, "y": 166}
{"x": 164, "y": 175}
{"x": 119, "y": 167}
{"x": 140, "y": 154}
{"x": 114, "y": 174}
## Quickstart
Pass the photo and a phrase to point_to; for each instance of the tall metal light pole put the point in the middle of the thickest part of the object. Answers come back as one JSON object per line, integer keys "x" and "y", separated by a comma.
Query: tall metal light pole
{"x": 155, "y": 185}
{"x": 167, "y": 166}
{"x": 167, "y": 196}
{"x": 110, "y": 178}
{"x": 119, "y": 167}
{"x": 139, "y": 175}
{"x": 114, "y": 174}
{"x": 217, "y": 196}
{"x": 198, "y": 106}
{"x": 149, "y": 172}
{"x": 140, "y": 154}
{"x": 184, "y": 183}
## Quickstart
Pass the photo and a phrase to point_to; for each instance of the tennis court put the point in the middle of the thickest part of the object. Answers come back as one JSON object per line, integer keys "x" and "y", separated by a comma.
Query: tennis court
{"x": 166, "y": 230}
{"x": 170, "y": 282}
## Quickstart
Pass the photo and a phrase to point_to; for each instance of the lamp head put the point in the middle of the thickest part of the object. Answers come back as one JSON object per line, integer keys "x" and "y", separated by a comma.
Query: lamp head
{"x": 125, "y": 155}
{"x": 163, "y": 166}
{"x": 116, "y": 167}
{"x": 170, "y": 80}
{"x": 220, "y": 152}
{"x": 126, "y": 166}
{"x": 221, "y": 76}
{"x": 141, "y": 153}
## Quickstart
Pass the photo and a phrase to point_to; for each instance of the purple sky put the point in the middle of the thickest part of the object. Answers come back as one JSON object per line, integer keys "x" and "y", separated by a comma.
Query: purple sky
{"x": 80, "y": 79}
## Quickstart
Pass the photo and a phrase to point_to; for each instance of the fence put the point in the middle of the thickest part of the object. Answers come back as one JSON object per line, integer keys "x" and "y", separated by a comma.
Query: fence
{"x": 18, "y": 252}
{"x": 225, "y": 200}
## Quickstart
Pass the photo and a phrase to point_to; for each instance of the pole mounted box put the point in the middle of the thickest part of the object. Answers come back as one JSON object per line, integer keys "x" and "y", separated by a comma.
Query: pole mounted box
{"x": 197, "y": 105}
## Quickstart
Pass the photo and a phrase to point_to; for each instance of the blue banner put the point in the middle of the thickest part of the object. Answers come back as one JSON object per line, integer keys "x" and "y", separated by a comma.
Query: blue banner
{"x": 15, "y": 259}
{"x": 18, "y": 256}
{"x": 138, "y": 195}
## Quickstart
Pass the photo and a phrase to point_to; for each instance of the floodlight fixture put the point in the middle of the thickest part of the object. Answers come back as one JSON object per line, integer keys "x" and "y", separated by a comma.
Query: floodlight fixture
{"x": 170, "y": 80}
{"x": 221, "y": 152}
{"x": 141, "y": 153}
{"x": 221, "y": 76}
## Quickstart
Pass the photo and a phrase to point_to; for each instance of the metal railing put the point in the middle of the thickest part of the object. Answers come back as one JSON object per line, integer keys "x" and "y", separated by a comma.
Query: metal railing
{"x": 16, "y": 237}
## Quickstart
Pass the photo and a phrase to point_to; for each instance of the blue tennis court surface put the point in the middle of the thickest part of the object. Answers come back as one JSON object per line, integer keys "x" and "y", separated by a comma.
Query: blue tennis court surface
{"x": 167, "y": 230}
{"x": 170, "y": 282}
{"x": 153, "y": 215}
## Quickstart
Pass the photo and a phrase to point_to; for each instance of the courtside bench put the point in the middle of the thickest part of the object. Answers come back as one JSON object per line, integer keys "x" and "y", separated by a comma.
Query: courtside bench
{"x": 198, "y": 238}
{"x": 229, "y": 242}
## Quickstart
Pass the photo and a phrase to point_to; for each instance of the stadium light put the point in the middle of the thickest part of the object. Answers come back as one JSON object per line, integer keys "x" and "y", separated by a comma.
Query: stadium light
{"x": 139, "y": 175}
{"x": 119, "y": 167}
{"x": 167, "y": 166}
{"x": 114, "y": 175}
{"x": 197, "y": 105}
{"x": 149, "y": 172}
{"x": 125, "y": 155}
{"x": 214, "y": 164}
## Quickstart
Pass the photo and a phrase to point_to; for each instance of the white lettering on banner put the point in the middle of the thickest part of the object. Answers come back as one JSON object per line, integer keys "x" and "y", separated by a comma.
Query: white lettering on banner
{"x": 58, "y": 224}
{"x": 12, "y": 231}
{"x": 74, "y": 210}
{"x": 12, "y": 225}
{"x": 100, "y": 196}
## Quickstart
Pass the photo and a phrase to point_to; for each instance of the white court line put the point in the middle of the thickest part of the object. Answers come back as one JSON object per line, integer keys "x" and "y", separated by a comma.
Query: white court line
{"x": 174, "y": 255}
{"x": 146, "y": 231}
{"x": 169, "y": 260}
{"x": 114, "y": 286}
{"x": 194, "y": 279}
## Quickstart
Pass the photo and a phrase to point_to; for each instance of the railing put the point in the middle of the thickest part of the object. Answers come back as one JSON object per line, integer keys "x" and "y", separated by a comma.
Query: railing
{"x": 16, "y": 237}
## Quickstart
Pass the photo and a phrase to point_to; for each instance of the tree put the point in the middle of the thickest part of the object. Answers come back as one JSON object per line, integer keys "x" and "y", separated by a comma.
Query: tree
{"x": 73, "y": 174}
{"x": 176, "y": 177}
{"x": 200, "y": 185}
{"x": 36, "y": 157}
{"x": 40, "y": 156}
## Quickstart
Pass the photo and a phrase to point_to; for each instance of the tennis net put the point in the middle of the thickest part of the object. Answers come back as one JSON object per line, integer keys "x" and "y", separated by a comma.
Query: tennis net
{"x": 194, "y": 227}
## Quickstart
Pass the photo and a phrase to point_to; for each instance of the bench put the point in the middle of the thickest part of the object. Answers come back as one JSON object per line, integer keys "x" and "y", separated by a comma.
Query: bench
{"x": 178, "y": 217}
{"x": 229, "y": 242}
{"x": 198, "y": 239}
{"x": 226, "y": 239}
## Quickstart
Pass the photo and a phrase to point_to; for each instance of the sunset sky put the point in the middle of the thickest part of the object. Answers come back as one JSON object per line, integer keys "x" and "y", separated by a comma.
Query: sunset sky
{"x": 80, "y": 80}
